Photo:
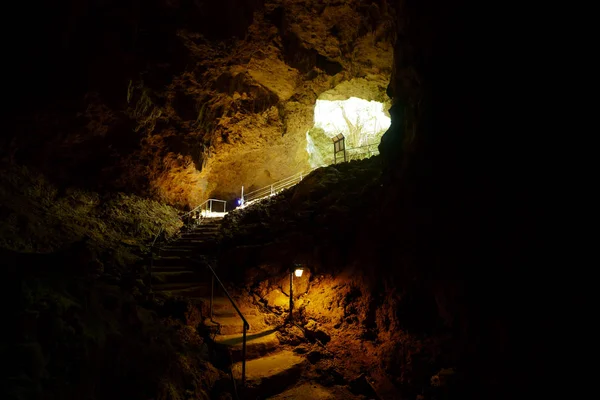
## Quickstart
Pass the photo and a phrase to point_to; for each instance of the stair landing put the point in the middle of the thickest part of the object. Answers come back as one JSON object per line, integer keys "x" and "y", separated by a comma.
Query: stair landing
{"x": 270, "y": 374}
{"x": 314, "y": 391}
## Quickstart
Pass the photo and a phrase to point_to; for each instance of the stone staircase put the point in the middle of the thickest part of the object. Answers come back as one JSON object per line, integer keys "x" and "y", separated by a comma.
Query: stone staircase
{"x": 174, "y": 272}
{"x": 271, "y": 368}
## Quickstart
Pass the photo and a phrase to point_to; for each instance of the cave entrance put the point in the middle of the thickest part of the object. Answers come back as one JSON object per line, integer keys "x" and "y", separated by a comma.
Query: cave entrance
{"x": 362, "y": 122}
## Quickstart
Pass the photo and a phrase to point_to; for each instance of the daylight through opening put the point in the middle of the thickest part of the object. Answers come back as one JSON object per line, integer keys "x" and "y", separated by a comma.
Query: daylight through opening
{"x": 362, "y": 123}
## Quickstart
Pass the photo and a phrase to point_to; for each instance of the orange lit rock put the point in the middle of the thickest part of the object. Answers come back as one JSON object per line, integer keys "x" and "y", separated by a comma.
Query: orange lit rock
{"x": 301, "y": 284}
{"x": 276, "y": 298}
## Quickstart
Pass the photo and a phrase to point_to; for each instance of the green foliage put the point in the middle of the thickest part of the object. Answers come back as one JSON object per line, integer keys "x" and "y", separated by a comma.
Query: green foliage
{"x": 142, "y": 218}
{"x": 38, "y": 219}
{"x": 79, "y": 332}
{"x": 40, "y": 295}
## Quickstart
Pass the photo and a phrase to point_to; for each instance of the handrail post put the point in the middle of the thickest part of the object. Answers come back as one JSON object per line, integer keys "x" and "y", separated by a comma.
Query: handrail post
{"x": 245, "y": 322}
{"x": 210, "y": 205}
{"x": 244, "y": 357}
{"x": 291, "y": 292}
{"x": 212, "y": 291}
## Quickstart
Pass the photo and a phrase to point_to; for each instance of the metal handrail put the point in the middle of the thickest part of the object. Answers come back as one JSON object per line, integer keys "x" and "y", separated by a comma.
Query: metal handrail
{"x": 209, "y": 201}
{"x": 364, "y": 145}
{"x": 359, "y": 151}
{"x": 289, "y": 178}
{"x": 272, "y": 189}
{"x": 275, "y": 187}
{"x": 246, "y": 326}
{"x": 188, "y": 213}
{"x": 162, "y": 228}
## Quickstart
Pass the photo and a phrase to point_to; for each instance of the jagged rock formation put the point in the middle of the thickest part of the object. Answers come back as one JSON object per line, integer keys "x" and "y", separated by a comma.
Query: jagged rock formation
{"x": 181, "y": 100}
{"x": 452, "y": 248}
{"x": 457, "y": 220}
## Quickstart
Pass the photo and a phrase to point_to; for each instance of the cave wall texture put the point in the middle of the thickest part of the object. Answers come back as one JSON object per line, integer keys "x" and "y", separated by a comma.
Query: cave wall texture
{"x": 461, "y": 236}
{"x": 467, "y": 189}
{"x": 181, "y": 100}
{"x": 140, "y": 96}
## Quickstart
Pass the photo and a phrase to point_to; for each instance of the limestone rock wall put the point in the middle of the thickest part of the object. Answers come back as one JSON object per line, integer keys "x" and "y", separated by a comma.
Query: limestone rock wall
{"x": 183, "y": 100}
{"x": 454, "y": 300}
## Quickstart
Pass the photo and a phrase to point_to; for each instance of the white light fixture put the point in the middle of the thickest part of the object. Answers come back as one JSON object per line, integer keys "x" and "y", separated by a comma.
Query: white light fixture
{"x": 298, "y": 272}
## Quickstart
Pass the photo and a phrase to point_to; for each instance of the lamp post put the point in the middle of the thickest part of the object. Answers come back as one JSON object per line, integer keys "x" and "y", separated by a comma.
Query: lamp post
{"x": 297, "y": 270}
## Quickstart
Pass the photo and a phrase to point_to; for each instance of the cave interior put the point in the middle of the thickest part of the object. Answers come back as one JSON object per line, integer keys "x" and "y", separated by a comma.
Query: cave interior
{"x": 272, "y": 199}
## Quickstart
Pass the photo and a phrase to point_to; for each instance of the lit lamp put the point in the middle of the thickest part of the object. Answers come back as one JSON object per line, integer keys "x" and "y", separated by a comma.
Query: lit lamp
{"x": 297, "y": 270}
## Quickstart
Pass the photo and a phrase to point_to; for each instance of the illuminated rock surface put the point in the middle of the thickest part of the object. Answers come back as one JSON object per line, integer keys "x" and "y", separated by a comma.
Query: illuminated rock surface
{"x": 428, "y": 272}
{"x": 271, "y": 373}
{"x": 311, "y": 391}
{"x": 198, "y": 104}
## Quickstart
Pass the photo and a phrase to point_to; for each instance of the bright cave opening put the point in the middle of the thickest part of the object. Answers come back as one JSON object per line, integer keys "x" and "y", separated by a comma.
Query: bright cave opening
{"x": 362, "y": 122}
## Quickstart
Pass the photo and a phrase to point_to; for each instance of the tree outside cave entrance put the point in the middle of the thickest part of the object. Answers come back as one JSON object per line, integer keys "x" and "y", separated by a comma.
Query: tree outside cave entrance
{"x": 362, "y": 122}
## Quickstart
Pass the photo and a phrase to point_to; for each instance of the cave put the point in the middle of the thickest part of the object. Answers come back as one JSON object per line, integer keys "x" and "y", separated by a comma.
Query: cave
{"x": 361, "y": 122}
{"x": 278, "y": 199}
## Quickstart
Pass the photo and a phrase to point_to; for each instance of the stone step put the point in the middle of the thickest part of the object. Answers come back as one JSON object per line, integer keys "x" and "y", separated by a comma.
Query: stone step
{"x": 199, "y": 235}
{"x": 182, "y": 246}
{"x": 182, "y": 241}
{"x": 193, "y": 244}
{"x": 182, "y": 276}
{"x": 183, "y": 289}
{"x": 271, "y": 374}
{"x": 183, "y": 250}
{"x": 204, "y": 227}
{"x": 211, "y": 221}
{"x": 175, "y": 251}
{"x": 172, "y": 261}
{"x": 205, "y": 231}
{"x": 314, "y": 391}
{"x": 171, "y": 268}
{"x": 180, "y": 285}
{"x": 219, "y": 303}
{"x": 258, "y": 344}
{"x": 208, "y": 230}
{"x": 190, "y": 242}
{"x": 227, "y": 310}
{"x": 225, "y": 326}
{"x": 197, "y": 238}
{"x": 197, "y": 241}
{"x": 230, "y": 325}
{"x": 221, "y": 307}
